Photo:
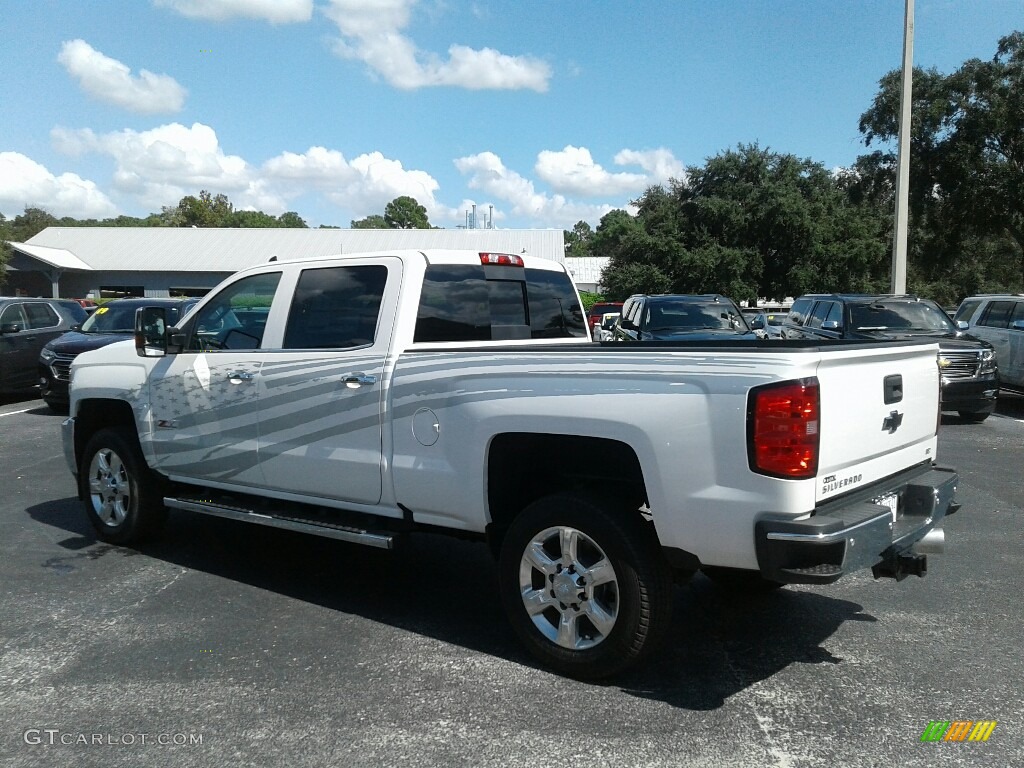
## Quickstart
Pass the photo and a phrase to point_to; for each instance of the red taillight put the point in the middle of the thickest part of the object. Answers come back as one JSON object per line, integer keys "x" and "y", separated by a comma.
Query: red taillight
{"x": 501, "y": 259}
{"x": 782, "y": 429}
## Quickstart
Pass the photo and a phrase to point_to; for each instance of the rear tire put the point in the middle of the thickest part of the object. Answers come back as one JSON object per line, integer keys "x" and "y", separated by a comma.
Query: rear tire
{"x": 584, "y": 585}
{"x": 122, "y": 496}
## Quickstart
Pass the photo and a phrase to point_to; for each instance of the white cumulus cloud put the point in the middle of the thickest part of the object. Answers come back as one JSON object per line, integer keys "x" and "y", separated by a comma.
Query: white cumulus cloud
{"x": 661, "y": 165}
{"x": 110, "y": 81}
{"x": 274, "y": 11}
{"x": 26, "y": 183}
{"x": 487, "y": 172}
{"x": 371, "y": 32}
{"x": 366, "y": 183}
{"x": 160, "y": 166}
{"x": 574, "y": 171}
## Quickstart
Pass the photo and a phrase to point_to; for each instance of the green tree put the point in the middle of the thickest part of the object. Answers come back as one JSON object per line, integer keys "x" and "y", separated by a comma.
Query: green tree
{"x": 405, "y": 213}
{"x": 750, "y": 224}
{"x": 376, "y": 221}
{"x": 207, "y": 210}
{"x": 292, "y": 220}
{"x": 966, "y": 168}
{"x": 577, "y": 241}
{"x": 250, "y": 220}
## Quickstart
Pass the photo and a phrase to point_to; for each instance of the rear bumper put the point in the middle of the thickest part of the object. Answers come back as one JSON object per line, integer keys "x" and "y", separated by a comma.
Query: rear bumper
{"x": 843, "y": 537}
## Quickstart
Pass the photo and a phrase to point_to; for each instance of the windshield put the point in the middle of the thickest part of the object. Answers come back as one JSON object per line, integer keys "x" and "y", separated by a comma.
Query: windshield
{"x": 119, "y": 318}
{"x": 901, "y": 316}
{"x": 689, "y": 316}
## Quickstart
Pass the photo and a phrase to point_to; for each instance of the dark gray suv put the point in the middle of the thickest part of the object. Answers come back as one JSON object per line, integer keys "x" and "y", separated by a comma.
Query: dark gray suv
{"x": 26, "y": 325}
{"x": 113, "y": 322}
{"x": 681, "y": 317}
{"x": 970, "y": 379}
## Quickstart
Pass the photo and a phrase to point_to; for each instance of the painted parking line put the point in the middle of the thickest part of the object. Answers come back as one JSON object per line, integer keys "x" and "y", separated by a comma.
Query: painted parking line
{"x": 11, "y": 413}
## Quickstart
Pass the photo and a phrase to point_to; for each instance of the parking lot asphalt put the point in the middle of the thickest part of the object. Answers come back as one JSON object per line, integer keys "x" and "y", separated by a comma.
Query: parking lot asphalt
{"x": 231, "y": 645}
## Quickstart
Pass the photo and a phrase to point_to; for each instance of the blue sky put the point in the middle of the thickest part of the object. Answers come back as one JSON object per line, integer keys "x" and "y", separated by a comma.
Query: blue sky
{"x": 551, "y": 111}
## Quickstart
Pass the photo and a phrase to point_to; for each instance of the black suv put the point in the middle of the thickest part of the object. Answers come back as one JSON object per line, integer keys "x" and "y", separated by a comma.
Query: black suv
{"x": 26, "y": 325}
{"x": 970, "y": 380}
{"x": 114, "y": 321}
{"x": 681, "y": 317}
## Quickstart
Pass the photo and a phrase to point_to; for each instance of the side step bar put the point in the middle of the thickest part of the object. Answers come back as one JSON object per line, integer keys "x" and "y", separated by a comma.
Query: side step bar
{"x": 288, "y": 522}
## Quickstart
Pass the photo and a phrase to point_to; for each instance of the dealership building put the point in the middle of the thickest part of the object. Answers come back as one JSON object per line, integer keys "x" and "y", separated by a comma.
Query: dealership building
{"x": 108, "y": 262}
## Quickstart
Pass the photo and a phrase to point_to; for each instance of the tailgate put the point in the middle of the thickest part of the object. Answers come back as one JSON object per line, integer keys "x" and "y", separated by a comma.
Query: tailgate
{"x": 879, "y": 414}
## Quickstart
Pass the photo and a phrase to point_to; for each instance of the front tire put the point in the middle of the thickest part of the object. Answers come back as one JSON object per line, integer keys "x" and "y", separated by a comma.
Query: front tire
{"x": 585, "y": 587}
{"x": 122, "y": 496}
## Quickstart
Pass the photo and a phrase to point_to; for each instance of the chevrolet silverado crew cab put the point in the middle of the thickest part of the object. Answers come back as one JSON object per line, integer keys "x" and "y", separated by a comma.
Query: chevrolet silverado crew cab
{"x": 368, "y": 397}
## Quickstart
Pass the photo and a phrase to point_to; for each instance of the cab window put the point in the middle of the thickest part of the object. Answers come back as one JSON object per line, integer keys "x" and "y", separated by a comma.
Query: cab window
{"x": 336, "y": 307}
{"x": 236, "y": 317}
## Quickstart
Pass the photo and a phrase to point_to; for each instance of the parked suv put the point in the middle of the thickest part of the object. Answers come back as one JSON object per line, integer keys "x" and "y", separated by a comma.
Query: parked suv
{"x": 970, "y": 380}
{"x": 999, "y": 320}
{"x": 114, "y": 321}
{"x": 681, "y": 317}
{"x": 26, "y": 325}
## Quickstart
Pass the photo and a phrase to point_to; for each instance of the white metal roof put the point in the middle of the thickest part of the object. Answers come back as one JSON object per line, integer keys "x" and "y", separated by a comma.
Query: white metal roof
{"x": 55, "y": 257}
{"x": 587, "y": 269}
{"x": 144, "y": 249}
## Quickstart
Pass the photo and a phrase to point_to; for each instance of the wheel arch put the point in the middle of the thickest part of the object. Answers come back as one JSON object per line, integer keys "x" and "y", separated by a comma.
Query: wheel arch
{"x": 522, "y": 467}
{"x": 94, "y": 414}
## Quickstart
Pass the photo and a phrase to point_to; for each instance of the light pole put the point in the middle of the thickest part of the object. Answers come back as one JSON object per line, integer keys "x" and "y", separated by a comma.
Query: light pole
{"x": 899, "y": 242}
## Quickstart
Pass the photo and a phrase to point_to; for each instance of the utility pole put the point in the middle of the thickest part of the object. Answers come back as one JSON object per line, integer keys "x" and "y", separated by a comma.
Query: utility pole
{"x": 899, "y": 241}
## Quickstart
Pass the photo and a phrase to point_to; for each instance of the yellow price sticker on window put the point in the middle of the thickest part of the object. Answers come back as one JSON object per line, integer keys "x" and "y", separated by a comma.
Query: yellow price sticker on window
{"x": 101, "y": 310}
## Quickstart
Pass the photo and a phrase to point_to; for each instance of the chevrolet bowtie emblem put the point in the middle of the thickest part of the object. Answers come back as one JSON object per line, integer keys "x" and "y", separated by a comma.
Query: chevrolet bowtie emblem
{"x": 892, "y": 422}
{"x": 945, "y": 362}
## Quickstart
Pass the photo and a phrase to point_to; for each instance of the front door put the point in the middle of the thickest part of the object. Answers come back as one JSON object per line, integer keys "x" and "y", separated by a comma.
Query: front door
{"x": 321, "y": 393}
{"x": 204, "y": 400}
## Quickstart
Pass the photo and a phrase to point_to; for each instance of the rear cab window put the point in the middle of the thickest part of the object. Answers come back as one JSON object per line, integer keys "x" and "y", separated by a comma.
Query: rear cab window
{"x": 470, "y": 302}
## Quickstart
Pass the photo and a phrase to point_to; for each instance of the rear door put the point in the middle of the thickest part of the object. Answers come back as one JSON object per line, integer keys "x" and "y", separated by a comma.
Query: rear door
{"x": 994, "y": 327}
{"x": 879, "y": 413}
{"x": 17, "y": 359}
{"x": 321, "y": 389}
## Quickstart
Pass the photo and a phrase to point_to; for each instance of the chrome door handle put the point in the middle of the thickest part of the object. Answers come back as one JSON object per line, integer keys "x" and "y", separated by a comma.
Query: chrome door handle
{"x": 238, "y": 377}
{"x": 358, "y": 379}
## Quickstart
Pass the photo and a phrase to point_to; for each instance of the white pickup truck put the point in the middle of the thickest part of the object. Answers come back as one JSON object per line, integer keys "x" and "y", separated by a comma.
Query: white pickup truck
{"x": 367, "y": 397}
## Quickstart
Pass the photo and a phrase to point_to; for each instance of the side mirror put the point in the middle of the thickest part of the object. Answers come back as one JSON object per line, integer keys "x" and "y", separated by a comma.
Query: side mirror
{"x": 628, "y": 325}
{"x": 151, "y": 331}
{"x": 10, "y": 328}
{"x": 1017, "y": 325}
{"x": 961, "y": 325}
{"x": 830, "y": 325}
{"x": 757, "y": 323}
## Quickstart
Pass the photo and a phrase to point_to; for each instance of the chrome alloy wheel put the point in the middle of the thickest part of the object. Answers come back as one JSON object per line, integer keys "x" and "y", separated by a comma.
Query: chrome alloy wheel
{"x": 569, "y": 588}
{"x": 109, "y": 487}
